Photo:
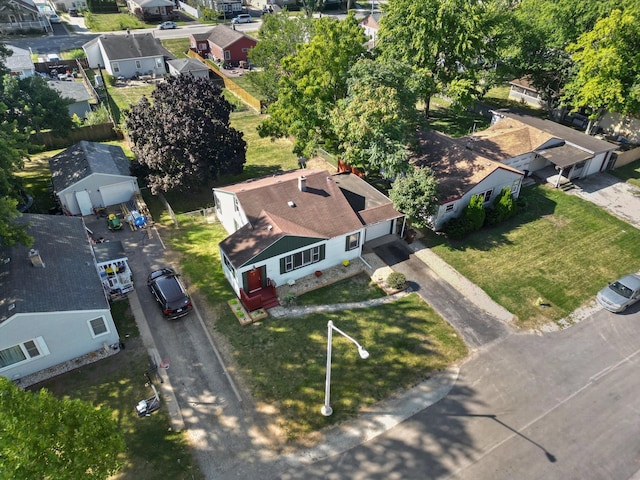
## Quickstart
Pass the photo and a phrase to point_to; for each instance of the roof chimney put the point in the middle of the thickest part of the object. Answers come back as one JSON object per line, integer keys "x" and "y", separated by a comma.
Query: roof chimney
{"x": 302, "y": 183}
{"x": 36, "y": 260}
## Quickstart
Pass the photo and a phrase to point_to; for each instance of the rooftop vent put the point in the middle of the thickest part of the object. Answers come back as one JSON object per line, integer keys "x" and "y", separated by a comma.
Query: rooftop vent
{"x": 302, "y": 183}
{"x": 291, "y": 204}
{"x": 36, "y": 259}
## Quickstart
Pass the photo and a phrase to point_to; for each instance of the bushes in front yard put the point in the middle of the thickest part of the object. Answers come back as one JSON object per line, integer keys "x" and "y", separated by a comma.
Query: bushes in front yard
{"x": 476, "y": 215}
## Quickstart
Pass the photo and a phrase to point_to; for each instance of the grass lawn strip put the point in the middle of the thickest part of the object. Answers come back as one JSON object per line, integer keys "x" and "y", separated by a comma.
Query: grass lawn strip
{"x": 561, "y": 249}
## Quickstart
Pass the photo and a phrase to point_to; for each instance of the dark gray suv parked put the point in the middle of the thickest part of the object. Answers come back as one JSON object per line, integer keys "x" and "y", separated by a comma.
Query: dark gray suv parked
{"x": 170, "y": 293}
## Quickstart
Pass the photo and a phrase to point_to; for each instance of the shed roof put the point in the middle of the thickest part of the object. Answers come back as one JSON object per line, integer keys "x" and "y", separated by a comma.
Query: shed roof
{"x": 76, "y": 91}
{"x": 106, "y": 251}
{"x": 19, "y": 59}
{"x": 69, "y": 281}
{"x": 186, "y": 65}
{"x": 84, "y": 159}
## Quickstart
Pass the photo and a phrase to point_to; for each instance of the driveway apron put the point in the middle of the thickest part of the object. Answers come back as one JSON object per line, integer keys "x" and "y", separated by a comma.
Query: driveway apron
{"x": 476, "y": 327}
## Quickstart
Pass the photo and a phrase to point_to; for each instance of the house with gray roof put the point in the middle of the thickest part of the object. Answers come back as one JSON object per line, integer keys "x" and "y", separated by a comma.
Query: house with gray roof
{"x": 53, "y": 307}
{"x": 91, "y": 175}
{"x": 284, "y": 227}
{"x": 128, "y": 55}
{"x": 188, "y": 66}
{"x": 226, "y": 44}
{"x": 21, "y": 16}
{"x": 78, "y": 95}
{"x": 19, "y": 62}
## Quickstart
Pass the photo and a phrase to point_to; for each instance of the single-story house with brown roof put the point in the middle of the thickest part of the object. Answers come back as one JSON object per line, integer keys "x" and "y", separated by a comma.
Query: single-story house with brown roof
{"x": 226, "y": 44}
{"x": 284, "y": 227}
{"x": 463, "y": 172}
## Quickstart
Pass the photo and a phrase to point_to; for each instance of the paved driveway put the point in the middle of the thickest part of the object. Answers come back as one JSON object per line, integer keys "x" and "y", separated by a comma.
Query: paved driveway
{"x": 478, "y": 328}
{"x": 619, "y": 198}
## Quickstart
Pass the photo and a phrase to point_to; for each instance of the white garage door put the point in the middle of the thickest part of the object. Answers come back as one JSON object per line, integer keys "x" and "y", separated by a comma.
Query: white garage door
{"x": 378, "y": 230}
{"x": 116, "y": 193}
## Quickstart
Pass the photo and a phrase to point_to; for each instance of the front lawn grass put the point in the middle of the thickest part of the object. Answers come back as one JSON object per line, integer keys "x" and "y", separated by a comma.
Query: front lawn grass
{"x": 108, "y": 22}
{"x": 177, "y": 46}
{"x": 283, "y": 360}
{"x": 560, "y": 249}
{"x": 153, "y": 451}
{"x": 355, "y": 289}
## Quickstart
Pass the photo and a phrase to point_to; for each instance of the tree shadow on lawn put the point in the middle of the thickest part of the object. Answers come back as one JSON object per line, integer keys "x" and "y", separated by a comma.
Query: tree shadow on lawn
{"x": 533, "y": 205}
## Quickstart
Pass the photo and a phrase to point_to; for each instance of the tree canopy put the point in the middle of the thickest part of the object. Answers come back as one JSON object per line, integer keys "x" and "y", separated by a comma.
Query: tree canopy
{"x": 607, "y": 64}
{"x": 183, "y": 138}
{"x": 280, "y": 37}
{"x": 313, "y": 82}
{"x": 377, "y": 120}
{"x": 416, "y": 194}
{"x": 46, "y": 438}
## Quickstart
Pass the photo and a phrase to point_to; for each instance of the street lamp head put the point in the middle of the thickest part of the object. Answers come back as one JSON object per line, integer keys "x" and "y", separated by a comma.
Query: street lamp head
{"x": 363, "y": 353}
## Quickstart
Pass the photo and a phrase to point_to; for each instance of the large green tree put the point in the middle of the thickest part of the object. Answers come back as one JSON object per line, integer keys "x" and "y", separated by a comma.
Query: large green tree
{"x": 377, "y": 120}
{"x": 280, "y": 37}
{"x": 313, "y": 82}
{"x": 46, "y": 438}
{"x": 607, "y": 65}
{"x": 35, "y": 106}
{"x": 444, "y": 40}
{"x": 416, "y": 194}
{"x": 183, "y": 138}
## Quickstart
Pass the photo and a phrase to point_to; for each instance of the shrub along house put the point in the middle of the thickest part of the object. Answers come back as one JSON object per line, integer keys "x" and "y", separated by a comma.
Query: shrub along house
{"x": 53, "y": 307}
{"x": 287, "y": 226}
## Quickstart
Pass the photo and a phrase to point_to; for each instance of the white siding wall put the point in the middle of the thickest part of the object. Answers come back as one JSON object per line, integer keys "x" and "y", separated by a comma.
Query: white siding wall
{"x": 67, "y": 335}
{"x": 498, "y": 180}
{"x": 230, "y": 219}
{"x": 92, "y": 184}
{"x": 129, "y": 68}
{"x": 596, "y": 164}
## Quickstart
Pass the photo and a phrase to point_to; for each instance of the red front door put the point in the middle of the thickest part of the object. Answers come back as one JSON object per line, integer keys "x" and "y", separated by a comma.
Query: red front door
{"x": 254, "y": 278}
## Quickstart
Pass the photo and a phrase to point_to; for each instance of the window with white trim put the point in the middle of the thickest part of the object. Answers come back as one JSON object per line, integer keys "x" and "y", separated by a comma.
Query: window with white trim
{"x": 115, "y": 66}
{"x": 486, "y": 196}
{"x": 301, "y": 259}
{"x": 138, "y": 64}
{"x": 159, "y": 63}
{"x": 353, "y": 241}
{"x": 98, "y": 326}
{"x": 23, "y": 352}
{"x": 227, "y": 55}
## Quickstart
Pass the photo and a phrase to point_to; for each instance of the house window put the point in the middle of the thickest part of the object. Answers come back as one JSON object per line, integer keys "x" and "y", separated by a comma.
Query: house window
{"x": 227, "y": 55}
{"x": 12, "y": 19}
{"x": 301, "y": 259}
{"x": 138, "y": 64}
{"x": 115, "y": 67}
{"x": 486, "y": 196}
{"x": 245, "y": 50}
{"x": 353, "y": 241}
{"x": 158, "y": 63}
{"x": 236, "y": 204}
{"x": 449, "y": 208}
{"x": 227, "y": 262}
{"x": 22, "y": 352}
{"x": 98, "y": 326}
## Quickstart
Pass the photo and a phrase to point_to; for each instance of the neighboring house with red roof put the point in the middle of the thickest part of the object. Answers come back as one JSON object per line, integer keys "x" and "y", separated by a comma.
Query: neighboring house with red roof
{"x": 371, "y": 25}
{"x": 223, "y": 44}
{"x": 514, "y": 146}
{"x": 284, "y": 227}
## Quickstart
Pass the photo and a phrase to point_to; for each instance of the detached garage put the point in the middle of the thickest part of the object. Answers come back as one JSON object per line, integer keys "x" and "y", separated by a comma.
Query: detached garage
{"x": 91, "y": 175}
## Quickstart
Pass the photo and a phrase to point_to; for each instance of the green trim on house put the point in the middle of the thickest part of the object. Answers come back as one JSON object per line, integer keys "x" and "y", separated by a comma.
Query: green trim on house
{"x": 286, "y": 244}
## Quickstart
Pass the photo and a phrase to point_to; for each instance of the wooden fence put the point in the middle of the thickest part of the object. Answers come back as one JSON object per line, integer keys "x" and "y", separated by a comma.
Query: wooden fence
{"x": 233, "y": 87}
{"x": 93, "y": 133}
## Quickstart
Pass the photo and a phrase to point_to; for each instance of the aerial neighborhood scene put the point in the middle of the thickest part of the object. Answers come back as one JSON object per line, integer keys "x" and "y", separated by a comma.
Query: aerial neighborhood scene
{"x": 319, "y": 239}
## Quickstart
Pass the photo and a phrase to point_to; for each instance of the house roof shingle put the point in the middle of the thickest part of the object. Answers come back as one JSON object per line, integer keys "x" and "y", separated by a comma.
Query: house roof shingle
{"x": 186, "y": 65}
{"x": 223, "y": 36}
{"x": 76, "y": 91}
{"x": 19, "y": 59}
{"x": 124, "y": 47}
{"x": 324, "y": 210}
{"x": 69, "y": 281}
{"x": 84, "y": 159}
{"x": 456, "y": 167}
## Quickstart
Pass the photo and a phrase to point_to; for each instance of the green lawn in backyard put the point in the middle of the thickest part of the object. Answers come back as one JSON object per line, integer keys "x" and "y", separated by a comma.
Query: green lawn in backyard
{"x": 284, "y": 360}
{"x": 177, "y": 46}
{"x": 560, "y": 248}
{"x": 125, "y": 96}
{"x": 499, "y": 97}
{"x": 37, "y": 180}
{"x": 153, "y": 450}
{"x": 354, "y": 289}
{"x": 629, "y": 173}
{"x": 456, "y": 124}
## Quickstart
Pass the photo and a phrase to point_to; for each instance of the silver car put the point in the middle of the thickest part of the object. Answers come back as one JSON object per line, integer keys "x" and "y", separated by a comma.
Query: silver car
{"x": 620, "y": 294}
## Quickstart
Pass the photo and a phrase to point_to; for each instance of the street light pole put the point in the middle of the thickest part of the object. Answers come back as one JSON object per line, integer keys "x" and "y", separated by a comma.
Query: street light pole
{"x": 326, "y": 408}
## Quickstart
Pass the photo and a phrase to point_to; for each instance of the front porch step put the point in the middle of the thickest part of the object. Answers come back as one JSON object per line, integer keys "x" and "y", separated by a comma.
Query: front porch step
{"x": 565, "y": 187}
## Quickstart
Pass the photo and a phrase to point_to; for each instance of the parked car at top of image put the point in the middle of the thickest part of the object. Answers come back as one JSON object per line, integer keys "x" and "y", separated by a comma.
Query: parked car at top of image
{"x": 53, "y": 18}
{"x": 242, "y": 18}
{"x": 73, "y": 12}
{"x": 619, "y": 295}
{"x": 168, "y": 25}
{"x": 169, "y": 292}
